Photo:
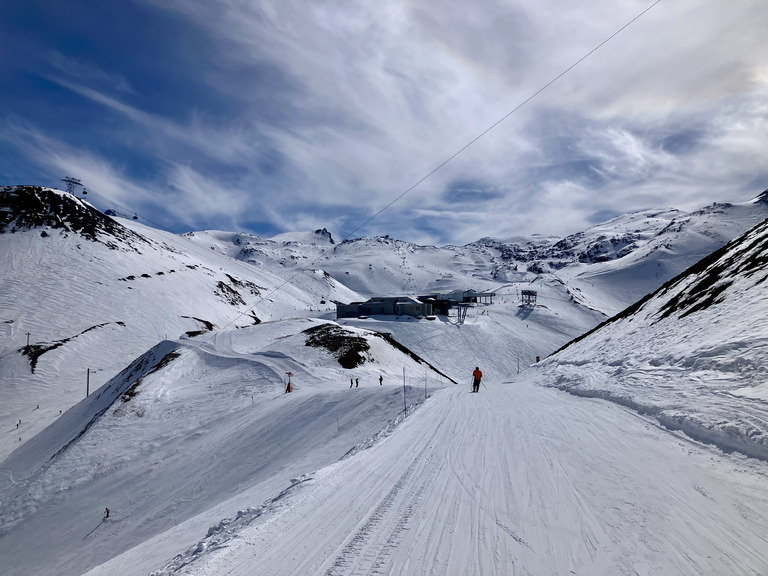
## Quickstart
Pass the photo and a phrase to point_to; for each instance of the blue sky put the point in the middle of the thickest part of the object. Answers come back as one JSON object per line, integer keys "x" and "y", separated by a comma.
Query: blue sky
{"x": 274, "y": 116}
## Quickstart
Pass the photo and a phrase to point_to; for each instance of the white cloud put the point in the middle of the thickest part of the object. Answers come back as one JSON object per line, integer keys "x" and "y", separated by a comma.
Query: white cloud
{"x": 87, "y": 73}
{"x": 337, "y": 108}
{"x": 60, "y": 158}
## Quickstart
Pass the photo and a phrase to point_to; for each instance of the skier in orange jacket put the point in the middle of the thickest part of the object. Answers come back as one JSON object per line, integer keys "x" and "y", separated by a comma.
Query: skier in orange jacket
{"x": 477, "y": 375}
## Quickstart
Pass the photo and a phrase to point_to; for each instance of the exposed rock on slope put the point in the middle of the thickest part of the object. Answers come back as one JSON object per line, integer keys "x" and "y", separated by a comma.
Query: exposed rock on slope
{"x": 29, "y": 207}
{"x": 693, "y": 354}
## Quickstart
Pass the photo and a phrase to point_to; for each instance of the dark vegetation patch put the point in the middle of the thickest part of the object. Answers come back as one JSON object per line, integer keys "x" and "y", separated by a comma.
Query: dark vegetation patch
{"x": 228, "y": 294}
{"x": 29, "y": 207}
{"x": 207, "y": 327}
{"x": 348, "y": 349}
{"x": 132, "y": 277}
{"x": 253, "y": 288}
{"x": 34, "y": 351}
{"x": 133, "y": 390}
{"x": 749, "y": 258}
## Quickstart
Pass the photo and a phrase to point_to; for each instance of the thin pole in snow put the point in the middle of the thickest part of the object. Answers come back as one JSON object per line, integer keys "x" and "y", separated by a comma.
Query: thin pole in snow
{"x": 87, "y": 382}
{"x": 405, "y": 405}
{"x": 28, "y": 339}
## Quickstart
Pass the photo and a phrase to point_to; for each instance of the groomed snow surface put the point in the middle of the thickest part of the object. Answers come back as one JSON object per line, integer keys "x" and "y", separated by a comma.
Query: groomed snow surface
{"x": 210, "y": 468}
{"x": 515, "y": 480}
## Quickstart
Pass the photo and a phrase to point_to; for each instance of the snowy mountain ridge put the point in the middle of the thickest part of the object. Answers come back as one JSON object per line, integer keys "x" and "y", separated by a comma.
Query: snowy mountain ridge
{"x": 24, "y": 208}
{"x": 606, "y": 267}
{"x": 703, "y": 330}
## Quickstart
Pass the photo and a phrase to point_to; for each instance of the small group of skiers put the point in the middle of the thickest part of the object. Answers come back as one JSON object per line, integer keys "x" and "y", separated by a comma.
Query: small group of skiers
{"x": 477, "y": 376}
{"x": 355, "y": 383}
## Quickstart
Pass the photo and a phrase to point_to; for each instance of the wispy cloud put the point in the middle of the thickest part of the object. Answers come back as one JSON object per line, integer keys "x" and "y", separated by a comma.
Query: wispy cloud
{"x": 77, "y": 70}
{"x": 320, "y": 114}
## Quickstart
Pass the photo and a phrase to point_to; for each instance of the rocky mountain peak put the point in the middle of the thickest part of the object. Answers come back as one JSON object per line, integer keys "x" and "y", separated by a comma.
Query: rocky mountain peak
{"x": 323, "y": 232}
{"x": 30, "y": 207}
{"x": 763, "y": 198}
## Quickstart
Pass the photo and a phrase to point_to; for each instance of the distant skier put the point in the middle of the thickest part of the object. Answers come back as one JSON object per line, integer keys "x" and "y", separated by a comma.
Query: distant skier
{"x": 351, "y": 382}
{"x": 106, "y": 513}
{"x": 381, "y": 380}
{"x": 477, "y": 375}
{"x": 357, "y": 382}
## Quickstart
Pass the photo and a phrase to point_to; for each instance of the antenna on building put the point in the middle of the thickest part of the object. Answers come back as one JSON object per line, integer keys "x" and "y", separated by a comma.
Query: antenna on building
{"x": 71, "y": 183}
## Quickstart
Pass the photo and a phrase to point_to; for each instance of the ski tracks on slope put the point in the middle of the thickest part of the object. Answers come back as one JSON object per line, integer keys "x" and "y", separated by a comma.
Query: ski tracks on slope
{"x": 366, "y": 552}
{"x": 520, "y": 480}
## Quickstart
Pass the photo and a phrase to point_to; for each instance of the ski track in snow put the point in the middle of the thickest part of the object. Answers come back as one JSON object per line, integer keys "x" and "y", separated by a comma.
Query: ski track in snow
{"x": 515, "y": 480}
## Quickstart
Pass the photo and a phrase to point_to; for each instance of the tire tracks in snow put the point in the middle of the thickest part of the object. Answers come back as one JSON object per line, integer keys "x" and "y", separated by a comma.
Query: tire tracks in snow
{"x": 367, "y": 552}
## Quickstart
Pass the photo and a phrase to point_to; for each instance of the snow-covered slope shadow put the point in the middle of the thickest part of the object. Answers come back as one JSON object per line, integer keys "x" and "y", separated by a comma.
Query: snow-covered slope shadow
{"x": 693, "y": 354}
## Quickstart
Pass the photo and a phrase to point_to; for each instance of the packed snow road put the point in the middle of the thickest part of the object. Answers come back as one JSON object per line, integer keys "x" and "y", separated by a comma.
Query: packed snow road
{"x": 515, "y": 480}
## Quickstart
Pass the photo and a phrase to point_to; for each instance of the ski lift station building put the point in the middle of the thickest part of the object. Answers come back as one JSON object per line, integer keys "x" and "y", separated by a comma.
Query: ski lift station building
{"x": 385, "y": 306}
{"x": 426, "y": 305}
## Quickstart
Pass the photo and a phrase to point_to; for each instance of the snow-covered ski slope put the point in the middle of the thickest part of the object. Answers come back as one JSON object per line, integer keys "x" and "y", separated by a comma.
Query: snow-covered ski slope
{"x": 514, "y": 480}
{"x": 524, "y": 480}
{"x": 93, "y": 293}
{"x": 694, "y": 355}
{"x": 96, "y": 303}
{"x": 187, "y": 432}
{"x": 209, "y": 468}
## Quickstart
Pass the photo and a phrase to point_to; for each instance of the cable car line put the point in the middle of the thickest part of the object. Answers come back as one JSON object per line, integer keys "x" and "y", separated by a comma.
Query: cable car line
{"x": 421, "y": 180}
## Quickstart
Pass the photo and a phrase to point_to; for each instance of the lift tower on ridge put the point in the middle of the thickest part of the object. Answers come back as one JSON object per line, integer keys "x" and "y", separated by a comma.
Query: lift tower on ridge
{"x": 71, "y": 183}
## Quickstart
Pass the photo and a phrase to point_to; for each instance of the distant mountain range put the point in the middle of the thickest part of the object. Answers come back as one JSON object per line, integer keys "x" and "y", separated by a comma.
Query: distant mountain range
{"x": 82, "y": 286}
